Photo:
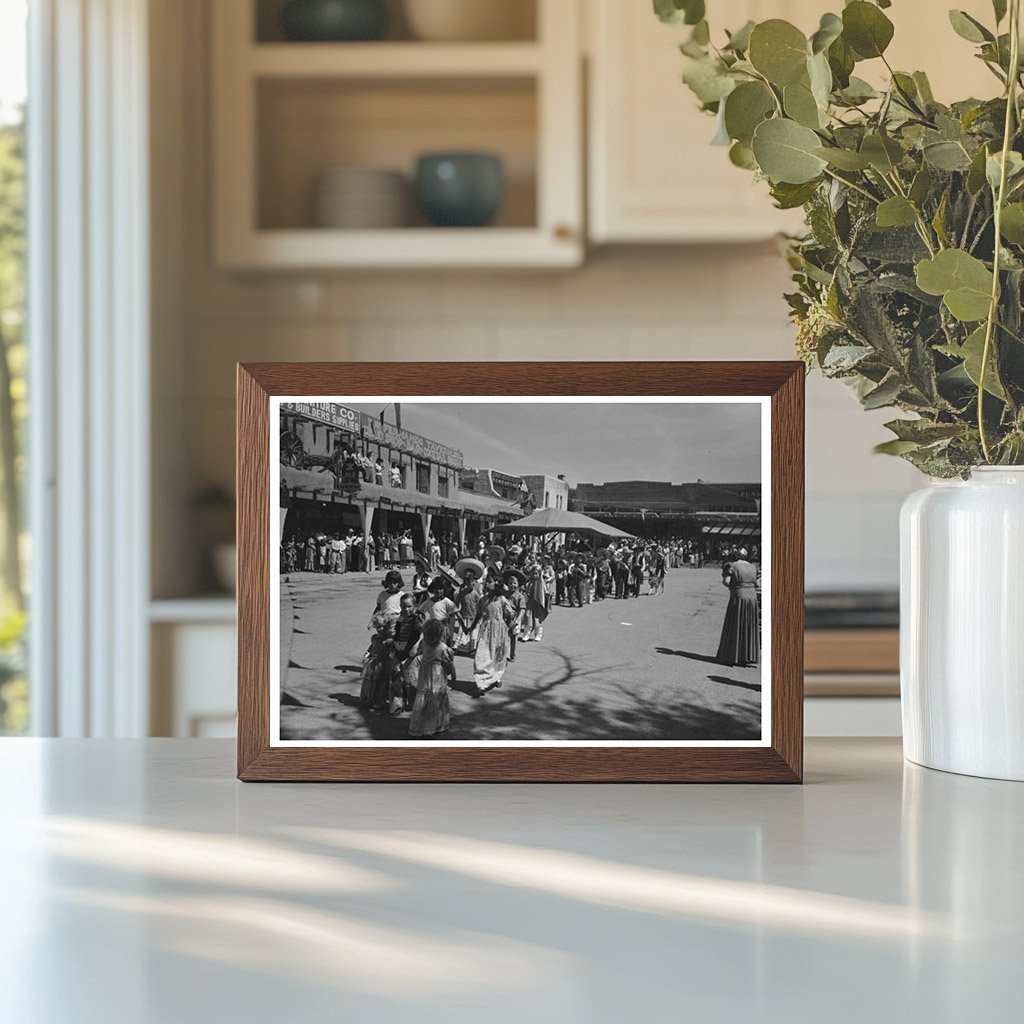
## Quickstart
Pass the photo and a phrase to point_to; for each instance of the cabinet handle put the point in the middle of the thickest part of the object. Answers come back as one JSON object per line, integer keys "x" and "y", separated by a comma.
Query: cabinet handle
{"x": 563, "y": 232}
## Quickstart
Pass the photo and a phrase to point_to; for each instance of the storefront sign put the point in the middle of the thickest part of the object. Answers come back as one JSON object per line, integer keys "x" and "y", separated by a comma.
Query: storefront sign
{"x": 373, "y": 430}
{"x": 413, "y": 444}
{"x": 326, "y": 412}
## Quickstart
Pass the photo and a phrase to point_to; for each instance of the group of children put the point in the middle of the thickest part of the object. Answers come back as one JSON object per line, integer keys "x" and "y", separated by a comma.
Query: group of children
{"x": 481, "y": 611}
{"x": 410, "y": 661}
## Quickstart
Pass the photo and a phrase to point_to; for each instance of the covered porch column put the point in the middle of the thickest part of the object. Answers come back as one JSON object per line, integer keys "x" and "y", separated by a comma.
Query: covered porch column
{"x": 425, "y": 521}
{"x": 366, "y": 511}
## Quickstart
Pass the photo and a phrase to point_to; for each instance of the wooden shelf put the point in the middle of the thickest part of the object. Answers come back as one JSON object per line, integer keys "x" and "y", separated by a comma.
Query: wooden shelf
{"x": 393, "y": 60}
{"x": 852, "y": 650}
{"x": 286, "y": 112}
{"x": 401, "y": 247}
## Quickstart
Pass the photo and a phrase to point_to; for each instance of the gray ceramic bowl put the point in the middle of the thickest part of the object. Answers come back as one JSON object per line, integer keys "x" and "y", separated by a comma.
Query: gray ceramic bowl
{"x": 334, "y": 20}
{"x": 461, "y": 190}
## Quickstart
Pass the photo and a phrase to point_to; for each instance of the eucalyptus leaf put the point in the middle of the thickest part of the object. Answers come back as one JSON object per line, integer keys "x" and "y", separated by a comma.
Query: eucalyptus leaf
{"x": 829, "y": 30}
{"x": 745, "y": 108}
{"x": 708, "y": 81}
{"x": 819, "y": 75}
{"x": 999, "y": 8}
{"x": 895, "y": 212}
{"x": 923, "y": 431}
{"x": 866, "y": 30}
{"x": 972, "y": 353}
{"x": 883, "y": 153}
{"x": 969, "y": 28}
{"x": 1012, "y": 224}
{"x": 789, "y": 197}
{"x": 739, "y": 41}
{"x": 721, "y": 136}
{"x": 895, "y": 447}
{"x": 785, "y": 152}
{"x": 963, "y": 281}
{"x": 976, "y": 172}
{"x": 1014, "y": 169}
{"x": 800, "y": 105}
{"x": 922, "y": 185}
{"x": 844, "y": 159}
{"x": 924, "y": 87}
{"x": 947, "y": 156}
{"x": 779, "y": 51}
{"x": 741, "y": 155}
{"x": 676, "y": 12}
{"x": 884, "y": 395}
{"x": 842, "y": 61}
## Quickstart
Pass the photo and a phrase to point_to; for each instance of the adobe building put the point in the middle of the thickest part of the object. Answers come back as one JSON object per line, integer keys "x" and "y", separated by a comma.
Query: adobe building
{"x": 329, "y": 482}
{"x": 548, "y": 491}
{"x": 657, "y": 509}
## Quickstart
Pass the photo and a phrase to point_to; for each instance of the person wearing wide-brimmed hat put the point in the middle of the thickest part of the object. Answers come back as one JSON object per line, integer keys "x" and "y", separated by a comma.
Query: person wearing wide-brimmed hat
{"x": 468, "y": 599}
{"x": 494, "y": 561}
{"x": 420, "y": 582}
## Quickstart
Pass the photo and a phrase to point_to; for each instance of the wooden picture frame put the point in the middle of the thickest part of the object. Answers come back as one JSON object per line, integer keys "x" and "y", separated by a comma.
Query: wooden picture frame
{"x": 778, "y": 759}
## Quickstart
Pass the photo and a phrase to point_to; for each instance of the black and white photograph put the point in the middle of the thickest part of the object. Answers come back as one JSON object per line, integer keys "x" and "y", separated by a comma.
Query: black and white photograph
{"x": 516, "y": 571}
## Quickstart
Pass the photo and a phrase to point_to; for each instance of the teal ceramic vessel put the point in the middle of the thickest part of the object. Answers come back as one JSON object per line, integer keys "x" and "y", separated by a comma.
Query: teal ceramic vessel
{"x": 333, "y": 21}
{"x": 461, "y": 190}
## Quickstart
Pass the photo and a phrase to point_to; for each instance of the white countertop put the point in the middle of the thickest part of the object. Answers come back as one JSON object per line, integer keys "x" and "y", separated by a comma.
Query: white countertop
{"x": 143, "y": 885}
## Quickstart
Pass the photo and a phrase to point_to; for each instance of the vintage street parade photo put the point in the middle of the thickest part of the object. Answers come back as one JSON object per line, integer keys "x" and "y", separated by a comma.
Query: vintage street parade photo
{"x": 490, "y": 570}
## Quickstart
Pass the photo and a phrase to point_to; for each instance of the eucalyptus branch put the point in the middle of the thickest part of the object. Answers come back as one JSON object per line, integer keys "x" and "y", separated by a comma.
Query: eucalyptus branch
{"x": 1000, "y": 199}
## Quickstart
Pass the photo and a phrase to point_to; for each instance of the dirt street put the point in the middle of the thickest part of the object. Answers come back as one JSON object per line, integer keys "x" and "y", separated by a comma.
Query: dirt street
{"x": 640, "y": 668}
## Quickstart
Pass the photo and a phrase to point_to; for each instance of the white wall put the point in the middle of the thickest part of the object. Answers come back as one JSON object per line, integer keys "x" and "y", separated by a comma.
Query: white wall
{"x": 655, "y": 303}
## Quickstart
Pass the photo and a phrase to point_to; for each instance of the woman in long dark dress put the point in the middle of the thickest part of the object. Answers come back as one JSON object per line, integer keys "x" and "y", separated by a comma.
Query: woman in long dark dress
{"x": 741, "y": 640}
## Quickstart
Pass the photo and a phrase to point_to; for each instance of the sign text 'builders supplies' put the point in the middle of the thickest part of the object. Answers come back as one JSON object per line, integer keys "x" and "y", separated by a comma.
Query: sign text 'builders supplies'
{"x": 371, "y": 427}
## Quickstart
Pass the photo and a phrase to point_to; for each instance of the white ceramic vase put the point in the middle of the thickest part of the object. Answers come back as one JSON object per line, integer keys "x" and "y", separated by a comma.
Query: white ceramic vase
{"x": 962, "y": 624}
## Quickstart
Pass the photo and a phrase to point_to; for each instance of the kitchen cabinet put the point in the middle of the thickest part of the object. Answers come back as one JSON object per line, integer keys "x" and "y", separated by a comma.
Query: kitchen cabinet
{"x": 287, "y": 113}
{"x": 192, "y": 647}
{"x": 653, "y": 175}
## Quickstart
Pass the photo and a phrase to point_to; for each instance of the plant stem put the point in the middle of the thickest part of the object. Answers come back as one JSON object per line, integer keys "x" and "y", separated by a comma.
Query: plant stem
{"x": 993, "y": 309}
{"x": 855, "y": 187}
{"x": 922, "y": 225}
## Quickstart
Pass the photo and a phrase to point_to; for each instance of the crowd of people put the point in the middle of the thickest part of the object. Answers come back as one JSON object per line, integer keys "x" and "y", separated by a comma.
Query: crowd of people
{"x": 340, "y": 552}
{"x": 483, "y": 605}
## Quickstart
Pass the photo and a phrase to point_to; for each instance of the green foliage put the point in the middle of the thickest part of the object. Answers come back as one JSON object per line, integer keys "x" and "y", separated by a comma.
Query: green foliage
{"x": 13, "y": 415}
{"x": 903, "y": 291}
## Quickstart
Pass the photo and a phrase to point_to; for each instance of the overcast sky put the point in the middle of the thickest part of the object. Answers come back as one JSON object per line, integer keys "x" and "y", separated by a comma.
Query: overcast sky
{"x": 595, "y": 442}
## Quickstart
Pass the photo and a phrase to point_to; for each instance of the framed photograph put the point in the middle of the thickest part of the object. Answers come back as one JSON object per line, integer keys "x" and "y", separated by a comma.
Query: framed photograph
{"x": 517, "y": 572}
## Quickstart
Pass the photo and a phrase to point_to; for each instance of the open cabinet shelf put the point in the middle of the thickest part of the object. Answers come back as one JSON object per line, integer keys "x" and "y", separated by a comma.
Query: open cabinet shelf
{"x": 287, "y": 114}
{"x": 394, "y": 60}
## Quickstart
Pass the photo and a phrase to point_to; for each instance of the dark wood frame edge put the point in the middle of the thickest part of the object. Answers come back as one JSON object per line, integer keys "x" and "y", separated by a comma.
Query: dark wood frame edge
{"x": 781, "y": 762}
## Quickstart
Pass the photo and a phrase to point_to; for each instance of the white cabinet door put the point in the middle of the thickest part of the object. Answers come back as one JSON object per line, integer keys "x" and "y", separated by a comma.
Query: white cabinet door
{"x": 653, "y": 174}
